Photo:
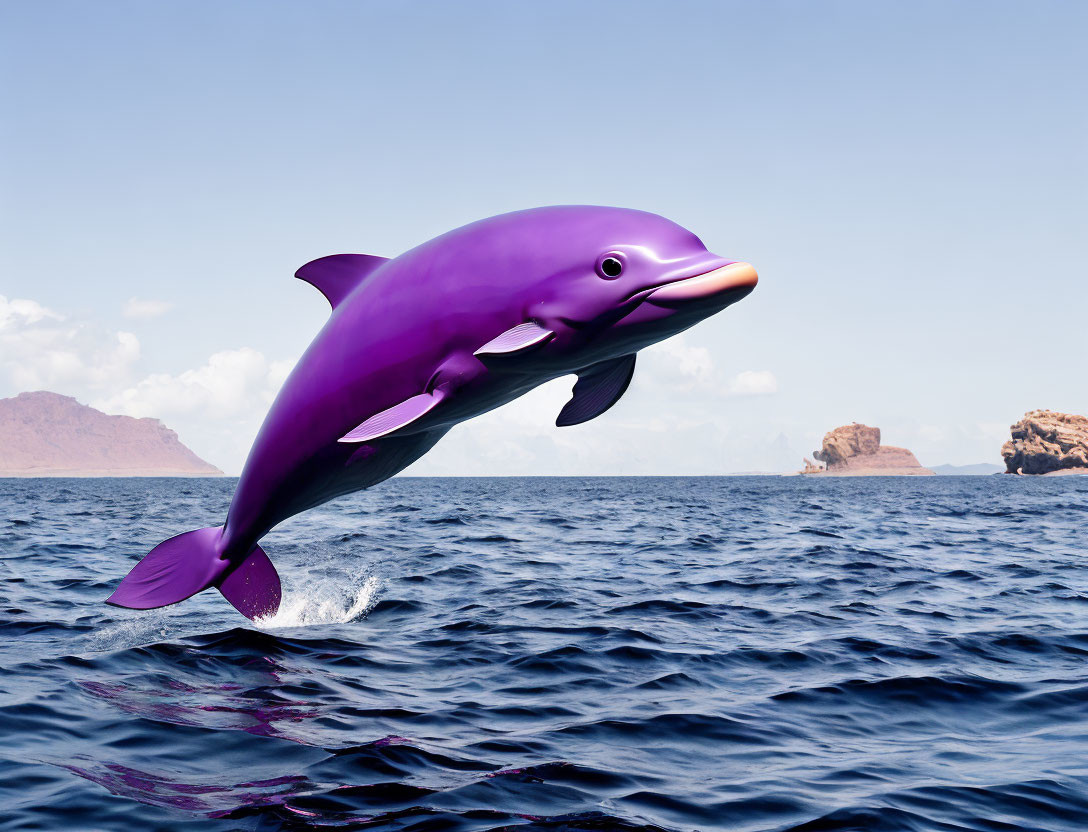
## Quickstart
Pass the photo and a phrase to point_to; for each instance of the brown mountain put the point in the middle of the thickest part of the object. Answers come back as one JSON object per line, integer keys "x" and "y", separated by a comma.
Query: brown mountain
{"x": 855, "y": 451}
{"x": 48, "y": 435}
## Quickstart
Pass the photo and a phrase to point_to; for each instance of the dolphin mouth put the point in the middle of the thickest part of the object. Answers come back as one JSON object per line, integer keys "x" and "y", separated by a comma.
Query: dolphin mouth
{"x": 732, "y": 281}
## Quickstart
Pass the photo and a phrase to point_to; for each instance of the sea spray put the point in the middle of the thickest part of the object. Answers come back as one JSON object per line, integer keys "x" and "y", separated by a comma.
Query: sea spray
{"x": 323, "y": 602}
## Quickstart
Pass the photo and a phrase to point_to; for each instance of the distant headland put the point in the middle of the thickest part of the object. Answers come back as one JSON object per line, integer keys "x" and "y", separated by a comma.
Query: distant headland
{"x": 855, "y": 451}
{"x": 45, "y": 434}
{"x": 1044, "y": 442}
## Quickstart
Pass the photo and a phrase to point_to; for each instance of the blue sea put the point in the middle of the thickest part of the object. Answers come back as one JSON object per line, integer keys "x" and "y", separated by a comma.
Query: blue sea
{"x": 744, "y": 653}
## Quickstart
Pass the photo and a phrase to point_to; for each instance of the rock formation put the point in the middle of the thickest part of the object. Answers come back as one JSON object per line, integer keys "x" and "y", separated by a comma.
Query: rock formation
{"x": 45, "y": 434}
{"x": 855, "y": 450}
{"x": 1046, "y": 442}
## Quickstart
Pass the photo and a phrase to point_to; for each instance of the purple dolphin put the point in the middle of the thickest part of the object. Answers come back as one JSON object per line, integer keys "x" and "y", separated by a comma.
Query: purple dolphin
{"x": 449, "y": 330}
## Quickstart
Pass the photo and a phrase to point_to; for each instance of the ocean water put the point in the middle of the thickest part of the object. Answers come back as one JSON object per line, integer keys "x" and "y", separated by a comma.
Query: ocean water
{"x": 559, "y": 654}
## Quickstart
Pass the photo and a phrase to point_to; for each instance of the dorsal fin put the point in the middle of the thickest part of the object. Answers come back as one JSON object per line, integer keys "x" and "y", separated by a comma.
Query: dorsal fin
{"x": 336, "y": 275}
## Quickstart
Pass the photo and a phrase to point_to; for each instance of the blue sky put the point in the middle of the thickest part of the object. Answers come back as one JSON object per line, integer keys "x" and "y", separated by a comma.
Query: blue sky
{"x": 909, "y": 179}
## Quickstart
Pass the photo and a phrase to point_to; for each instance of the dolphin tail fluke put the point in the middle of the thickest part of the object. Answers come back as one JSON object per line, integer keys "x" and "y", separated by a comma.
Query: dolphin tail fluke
{"x": 182, "y": 566}
{"x": 254, "y": 587}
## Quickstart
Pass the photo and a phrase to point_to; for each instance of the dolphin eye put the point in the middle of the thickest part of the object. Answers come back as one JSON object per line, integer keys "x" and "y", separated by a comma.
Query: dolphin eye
{"x": 610, "y": 266}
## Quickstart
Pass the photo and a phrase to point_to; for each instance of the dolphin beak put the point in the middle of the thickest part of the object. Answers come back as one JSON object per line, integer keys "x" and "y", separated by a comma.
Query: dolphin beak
{"x": 732, "y": 279}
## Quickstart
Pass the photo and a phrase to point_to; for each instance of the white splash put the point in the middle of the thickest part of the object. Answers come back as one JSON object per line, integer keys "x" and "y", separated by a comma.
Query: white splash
{"x": 138, "y": 627}
{"x": 322, "y": 602}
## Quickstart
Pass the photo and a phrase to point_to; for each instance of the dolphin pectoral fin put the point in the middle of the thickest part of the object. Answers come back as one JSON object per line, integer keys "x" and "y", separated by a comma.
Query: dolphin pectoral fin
{"x": 394, "y": 418}
{"x": 598, "y": 388}
{"x": 336, "y": 275}
{"x": 516, "y": 340}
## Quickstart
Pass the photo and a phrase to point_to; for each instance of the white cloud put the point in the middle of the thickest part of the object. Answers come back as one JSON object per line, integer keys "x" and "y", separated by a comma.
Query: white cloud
{"x": 675, "y": 418}
{"x": 145, "y": 309}
{"x": 232, "y": 383}
{"x": 40, "y": 349}
{"x": 675, "y": 364}
{"x": 648, "y": 434}
{"x": 753, "y": 383}
{"x": 679, "y": 415}
{"x": 215, "y": 408}
{"x": 22, "y": 312}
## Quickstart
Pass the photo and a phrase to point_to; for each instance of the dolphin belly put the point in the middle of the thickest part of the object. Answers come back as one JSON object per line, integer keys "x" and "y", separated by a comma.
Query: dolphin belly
{"x": 332, "y": 472}
{"x": 366, "y": 465}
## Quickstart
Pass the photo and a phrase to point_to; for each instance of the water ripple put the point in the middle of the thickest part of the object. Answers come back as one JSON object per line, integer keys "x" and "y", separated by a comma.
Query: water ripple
{"x": 651, "y": 655}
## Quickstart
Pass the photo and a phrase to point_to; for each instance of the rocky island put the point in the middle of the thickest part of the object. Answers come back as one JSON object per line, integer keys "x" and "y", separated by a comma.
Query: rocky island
{"x": 1047, "y": 442}
{"x": 48, "y": 435}
{"x": 855, "y": 451}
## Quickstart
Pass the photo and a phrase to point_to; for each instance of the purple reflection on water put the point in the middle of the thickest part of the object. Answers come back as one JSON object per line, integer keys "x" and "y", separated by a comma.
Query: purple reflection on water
{"x": 203, "y": 798}
{"x": 196, "y": 706}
